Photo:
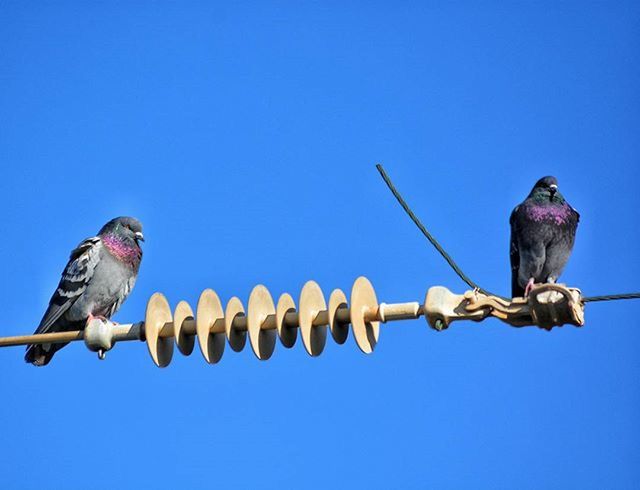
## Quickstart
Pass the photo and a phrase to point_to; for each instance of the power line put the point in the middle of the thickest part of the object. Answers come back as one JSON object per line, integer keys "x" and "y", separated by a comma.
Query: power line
{"x": 611, "y": 297}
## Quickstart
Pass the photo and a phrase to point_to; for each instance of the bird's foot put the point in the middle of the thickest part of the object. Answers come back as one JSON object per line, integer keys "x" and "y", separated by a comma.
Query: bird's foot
{"x": 528, "y": 287}
{"x": 91, "y": 317}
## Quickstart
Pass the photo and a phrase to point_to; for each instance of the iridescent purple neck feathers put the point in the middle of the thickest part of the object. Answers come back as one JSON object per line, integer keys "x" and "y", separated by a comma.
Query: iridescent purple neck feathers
{"x": 123, "y": 249}
{"x": 550, "y": 212}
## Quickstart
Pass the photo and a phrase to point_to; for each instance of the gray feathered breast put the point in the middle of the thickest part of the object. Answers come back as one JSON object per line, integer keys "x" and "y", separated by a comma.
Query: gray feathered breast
{"x": 542, "y": 237}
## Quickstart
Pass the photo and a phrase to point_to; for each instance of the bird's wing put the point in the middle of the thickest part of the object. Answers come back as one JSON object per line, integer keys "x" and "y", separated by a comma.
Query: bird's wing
{"x": 577, "y": 214}
{"x": 514, "y": 255}
{"x": 75, "y": 278}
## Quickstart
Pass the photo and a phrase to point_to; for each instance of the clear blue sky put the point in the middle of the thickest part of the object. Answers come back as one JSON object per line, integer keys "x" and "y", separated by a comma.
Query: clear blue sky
{"x": 245, "y": 137}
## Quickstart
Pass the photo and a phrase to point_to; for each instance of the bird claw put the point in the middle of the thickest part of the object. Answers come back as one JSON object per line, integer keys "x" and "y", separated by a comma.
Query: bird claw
{"x": 528, "y": 287}
{"x": 91, "y": 317}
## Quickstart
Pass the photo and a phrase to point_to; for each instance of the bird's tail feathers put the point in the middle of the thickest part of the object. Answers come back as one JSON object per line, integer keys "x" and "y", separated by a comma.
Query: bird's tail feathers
{"x": 41, "y": 354}
{"x": 517, "y": 291}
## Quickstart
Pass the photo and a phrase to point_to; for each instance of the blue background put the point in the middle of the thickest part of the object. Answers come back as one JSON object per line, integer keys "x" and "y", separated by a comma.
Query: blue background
{"x": 245, "y": 137}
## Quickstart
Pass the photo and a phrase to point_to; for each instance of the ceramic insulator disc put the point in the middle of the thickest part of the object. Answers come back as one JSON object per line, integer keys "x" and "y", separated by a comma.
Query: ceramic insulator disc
{"x": 184, "y": 342}
{"x": 209, "y": 312}
{"x": 339, "y": 331}
{"x": 237, "y": 338}
{"x": 263, "y": 341}
{"x": 157, "y": 315}
{"x": 288, "y": 335}
{"x": 363, "y": 303}
{"x": 312, "y": 302}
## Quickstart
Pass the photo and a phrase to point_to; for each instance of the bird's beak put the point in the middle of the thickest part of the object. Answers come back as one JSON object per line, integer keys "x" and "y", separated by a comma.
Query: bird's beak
{"x": 553, "y": 189}
{"x": 139, "y": 236}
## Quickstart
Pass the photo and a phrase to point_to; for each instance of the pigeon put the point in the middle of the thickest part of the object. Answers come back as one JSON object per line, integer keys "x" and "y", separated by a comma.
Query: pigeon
{"x": 99, "y": 276}
{"x": 543, "y": 230}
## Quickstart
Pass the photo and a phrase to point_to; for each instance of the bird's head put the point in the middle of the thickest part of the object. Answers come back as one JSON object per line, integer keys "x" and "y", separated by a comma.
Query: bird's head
{"x": 546, "y": 189}
{"x": 125, "y": 228}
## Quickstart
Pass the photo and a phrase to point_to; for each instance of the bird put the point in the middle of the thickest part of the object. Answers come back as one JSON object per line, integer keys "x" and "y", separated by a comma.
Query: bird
{"x": 543, "y": 231}
{"x": 99, "y": 276}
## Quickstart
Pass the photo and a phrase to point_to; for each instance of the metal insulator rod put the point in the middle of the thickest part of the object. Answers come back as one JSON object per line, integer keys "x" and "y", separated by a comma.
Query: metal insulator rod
{"x": 121, "y": 332}
{"x": 42, "y": 338}
{"x": 135, "y": 331}
{"x": 397, "y": 311}
{"x": 128, "y": 331}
